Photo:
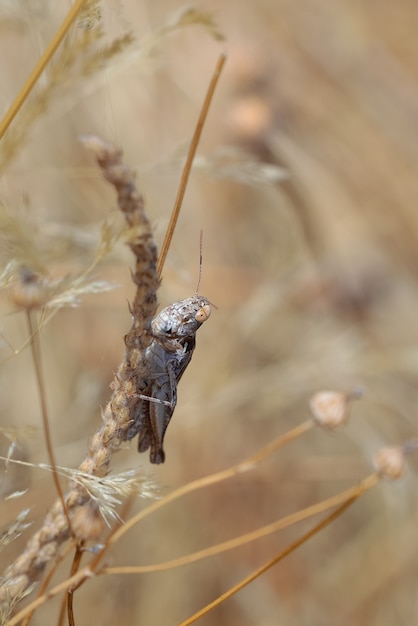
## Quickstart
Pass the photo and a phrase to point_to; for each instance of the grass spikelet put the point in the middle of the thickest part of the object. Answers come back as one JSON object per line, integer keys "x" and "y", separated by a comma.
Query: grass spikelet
{"x": 100, "y": 59}
{"x": 109, "y": 492}
{"x": 11, "y": 600}
{"x": 15, "y": 529}
{"x": 19, "y": 238}
{"x": 232, "y": 163}
{"x": 189, "y": 16}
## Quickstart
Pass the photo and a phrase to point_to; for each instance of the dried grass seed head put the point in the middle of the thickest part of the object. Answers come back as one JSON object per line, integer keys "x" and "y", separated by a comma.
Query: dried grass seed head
{"x": 14, "y": 529}
{"x": 31, "y": 291}
{"x": 390, "y": 462}
{"x": 331, "y": 408}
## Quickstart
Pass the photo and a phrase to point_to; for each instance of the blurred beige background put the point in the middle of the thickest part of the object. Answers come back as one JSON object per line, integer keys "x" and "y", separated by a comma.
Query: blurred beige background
{"x": 306, "y": 189}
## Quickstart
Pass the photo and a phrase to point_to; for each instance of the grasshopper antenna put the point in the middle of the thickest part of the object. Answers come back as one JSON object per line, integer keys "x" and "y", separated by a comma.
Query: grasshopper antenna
{"x": 200, "y": 261}
{"x": 189, "y": 161}
{"x": 201, "y": 268}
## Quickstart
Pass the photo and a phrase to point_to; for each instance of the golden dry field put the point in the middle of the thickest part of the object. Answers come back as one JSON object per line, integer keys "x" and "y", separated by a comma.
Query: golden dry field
{"x": 306, "y": 187}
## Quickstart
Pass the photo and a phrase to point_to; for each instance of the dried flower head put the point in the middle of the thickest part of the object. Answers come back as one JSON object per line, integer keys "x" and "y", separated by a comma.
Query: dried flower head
{"x": 390, "y": 462}
{"x": 331, "y": 408}
{"x": 31, "y": 290}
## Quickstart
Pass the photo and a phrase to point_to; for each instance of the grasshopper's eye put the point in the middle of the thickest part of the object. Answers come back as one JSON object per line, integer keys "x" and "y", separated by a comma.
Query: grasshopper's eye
{"x": 203, "y": 314}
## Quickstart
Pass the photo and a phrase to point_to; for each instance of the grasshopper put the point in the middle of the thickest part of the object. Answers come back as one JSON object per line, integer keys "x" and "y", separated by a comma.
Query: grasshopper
{"x": 166, "y": 358}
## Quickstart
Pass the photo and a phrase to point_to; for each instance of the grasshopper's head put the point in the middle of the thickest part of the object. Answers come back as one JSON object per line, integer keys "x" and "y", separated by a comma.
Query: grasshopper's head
{"x": 181, "y": 319}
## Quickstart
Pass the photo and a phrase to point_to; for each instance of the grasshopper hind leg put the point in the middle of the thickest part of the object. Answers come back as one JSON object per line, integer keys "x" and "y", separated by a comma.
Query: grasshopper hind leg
{"x": 144, "y": 440}
{"x": 157, "y": 454}
{"x": 147, "y": 438}
{"x": 145, "y": 433}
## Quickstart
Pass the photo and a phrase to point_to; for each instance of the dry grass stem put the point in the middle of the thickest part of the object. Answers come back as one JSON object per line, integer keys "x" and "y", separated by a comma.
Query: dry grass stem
{"x": 339, "y": 499}
{"x": 189, "y": 162}
{"x": 36, "y": 355}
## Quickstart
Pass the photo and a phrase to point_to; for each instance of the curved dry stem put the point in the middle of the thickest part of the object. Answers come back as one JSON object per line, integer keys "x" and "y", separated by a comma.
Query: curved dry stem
{"x": 338, "y": 500}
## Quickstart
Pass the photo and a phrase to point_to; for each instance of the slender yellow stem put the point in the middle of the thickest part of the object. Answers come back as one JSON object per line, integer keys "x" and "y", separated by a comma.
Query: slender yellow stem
{"x": 188, "y": 165}
{"x": 36, "y": 353}
{"x": 40, "y": 66}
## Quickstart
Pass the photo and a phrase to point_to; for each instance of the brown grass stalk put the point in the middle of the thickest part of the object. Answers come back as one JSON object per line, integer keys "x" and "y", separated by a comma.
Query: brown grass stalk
{"x": 36, "y": 354}
{"x": 43, "y": 546}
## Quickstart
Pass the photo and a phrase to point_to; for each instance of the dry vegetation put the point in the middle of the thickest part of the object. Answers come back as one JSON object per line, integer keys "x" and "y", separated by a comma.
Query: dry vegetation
{"x": 305, "y": 187}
